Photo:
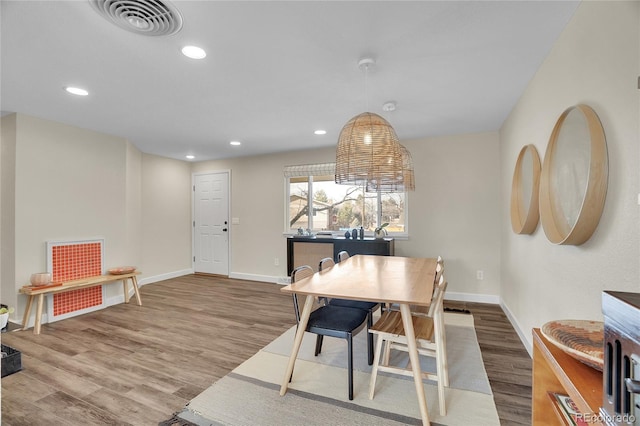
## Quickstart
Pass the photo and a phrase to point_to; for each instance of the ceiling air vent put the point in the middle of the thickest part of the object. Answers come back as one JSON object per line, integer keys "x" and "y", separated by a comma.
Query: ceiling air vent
{"x": 146, "y": 17}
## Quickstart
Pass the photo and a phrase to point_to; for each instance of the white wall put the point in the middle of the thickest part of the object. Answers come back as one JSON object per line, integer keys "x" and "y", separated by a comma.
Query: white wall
{"x": 595, "y": 61}
{"x": 454, "y": 212}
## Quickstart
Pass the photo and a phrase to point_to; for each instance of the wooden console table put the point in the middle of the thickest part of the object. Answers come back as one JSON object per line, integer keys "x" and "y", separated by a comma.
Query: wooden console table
{"x": 34, "y": 292}
{"x": 310, "y": 250}
{"x": 555, "y": 371}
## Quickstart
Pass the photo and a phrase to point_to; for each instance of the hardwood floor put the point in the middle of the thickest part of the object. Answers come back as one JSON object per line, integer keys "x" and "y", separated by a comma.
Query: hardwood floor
{"x": 138, "y": 365}
{"x": 506, "y": 361}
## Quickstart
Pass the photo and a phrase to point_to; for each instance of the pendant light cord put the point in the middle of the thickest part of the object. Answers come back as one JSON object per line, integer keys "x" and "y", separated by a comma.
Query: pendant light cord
{"x": 366, "y": 87}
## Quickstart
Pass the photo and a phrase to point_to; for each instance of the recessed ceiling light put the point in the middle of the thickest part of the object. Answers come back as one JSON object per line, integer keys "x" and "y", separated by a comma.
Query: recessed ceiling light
{"x": 235, "y": 143}
{"x": 193, "y": 52}
{"x": 320, "y": 132}
{"x": 76, "y": 91}
{"x": 190, "y": 157}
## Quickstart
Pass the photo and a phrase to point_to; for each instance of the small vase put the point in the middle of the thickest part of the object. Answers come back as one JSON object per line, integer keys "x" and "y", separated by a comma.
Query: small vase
{"x": 380, "y": 233}
{"x": 4, "y": 318}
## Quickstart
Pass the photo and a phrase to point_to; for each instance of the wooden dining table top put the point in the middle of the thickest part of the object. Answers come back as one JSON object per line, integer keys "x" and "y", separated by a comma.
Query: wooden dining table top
{"x": 391, "y": 279}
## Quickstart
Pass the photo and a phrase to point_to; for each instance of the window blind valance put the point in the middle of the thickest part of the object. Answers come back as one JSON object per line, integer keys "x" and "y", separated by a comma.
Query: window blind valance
{"x": 322, "y": 169}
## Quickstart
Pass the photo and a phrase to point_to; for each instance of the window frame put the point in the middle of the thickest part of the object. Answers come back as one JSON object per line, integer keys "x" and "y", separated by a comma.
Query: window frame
{"x": 299, "y": 172}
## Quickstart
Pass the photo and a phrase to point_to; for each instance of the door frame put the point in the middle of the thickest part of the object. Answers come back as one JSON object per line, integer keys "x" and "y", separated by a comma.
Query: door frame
{"x": 193, "y": 216}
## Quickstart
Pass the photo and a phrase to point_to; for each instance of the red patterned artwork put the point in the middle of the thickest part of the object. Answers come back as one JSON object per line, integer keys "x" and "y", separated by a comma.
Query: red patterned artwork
{"x": 72, "y": 301}
{"x": 72, "y": 262}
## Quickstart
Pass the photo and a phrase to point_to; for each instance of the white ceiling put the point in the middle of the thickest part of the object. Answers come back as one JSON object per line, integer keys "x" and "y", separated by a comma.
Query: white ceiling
{"x": 275, "y": 71}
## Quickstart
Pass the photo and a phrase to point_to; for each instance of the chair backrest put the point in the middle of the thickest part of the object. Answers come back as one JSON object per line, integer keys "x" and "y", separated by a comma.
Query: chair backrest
{"x": 297, "y": 274}
{"x": 343, "y": 255}
{"x": 439, "y": 271}
{"x": 326, "y": 263}
{"x": 301, "y": 272}
{"x": 436, "y": 306}
{"x": 424, "y": 310}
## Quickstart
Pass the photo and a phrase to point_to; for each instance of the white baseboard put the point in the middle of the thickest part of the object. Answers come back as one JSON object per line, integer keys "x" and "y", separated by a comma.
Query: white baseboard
{"x": 254, "y": 277}
{"x": 516, "y": 326}
{"x": 166, "y": 276}
{"x": 496, "y": 300}
{"x": 472, "y": 297}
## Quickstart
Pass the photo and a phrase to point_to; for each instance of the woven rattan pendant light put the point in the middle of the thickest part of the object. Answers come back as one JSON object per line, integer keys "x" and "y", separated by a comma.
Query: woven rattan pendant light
{"x": 403, "y": 182}
{"x": 368, "y": 149}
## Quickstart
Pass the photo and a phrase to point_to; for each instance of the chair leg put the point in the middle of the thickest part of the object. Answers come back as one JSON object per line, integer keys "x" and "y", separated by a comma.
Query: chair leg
{"x": 441, "y": 363}
{"x": 387, "y": 352}
{"x": 374, "y": 370}
{"x": 370, "y": 337}
{"x": 350, "y": 364}
{"x": 445, "y": 363}
{"x": 318, "y": 344}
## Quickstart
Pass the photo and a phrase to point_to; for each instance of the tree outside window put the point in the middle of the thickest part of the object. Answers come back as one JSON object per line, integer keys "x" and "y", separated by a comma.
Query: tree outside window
{"x": 341, "y": 207}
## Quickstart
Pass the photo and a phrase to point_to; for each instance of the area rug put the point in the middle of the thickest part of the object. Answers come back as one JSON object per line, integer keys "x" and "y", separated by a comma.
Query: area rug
{"x": 317, "y": 394}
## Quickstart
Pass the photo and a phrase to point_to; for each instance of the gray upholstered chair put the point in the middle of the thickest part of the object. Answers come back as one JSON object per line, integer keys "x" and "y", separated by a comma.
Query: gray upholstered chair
{"x": 369, "y": 307}
{"x": 333, "y": 321}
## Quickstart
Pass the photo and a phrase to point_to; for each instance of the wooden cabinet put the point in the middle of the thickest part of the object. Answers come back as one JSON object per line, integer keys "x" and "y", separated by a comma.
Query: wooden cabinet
{"x": 309, "y": 251}
{"x": 555, "y": 371}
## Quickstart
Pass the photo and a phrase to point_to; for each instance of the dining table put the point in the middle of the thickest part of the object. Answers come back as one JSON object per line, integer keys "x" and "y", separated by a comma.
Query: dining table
{"x": 405, "y": 281}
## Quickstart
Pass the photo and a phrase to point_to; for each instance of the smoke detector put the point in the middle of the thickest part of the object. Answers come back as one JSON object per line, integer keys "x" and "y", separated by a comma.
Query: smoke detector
{"x": 389, "y": 106}
{"x": 146, "y": 17}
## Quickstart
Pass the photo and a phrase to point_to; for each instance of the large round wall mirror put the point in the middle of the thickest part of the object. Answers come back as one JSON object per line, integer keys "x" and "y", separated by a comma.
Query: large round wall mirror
{"x": 524, "y": 191}
{"x": 573, "y": 184}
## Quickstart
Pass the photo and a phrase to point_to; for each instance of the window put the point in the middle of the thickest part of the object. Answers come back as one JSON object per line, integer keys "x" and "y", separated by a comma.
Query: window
{"x": 318, "y": 203}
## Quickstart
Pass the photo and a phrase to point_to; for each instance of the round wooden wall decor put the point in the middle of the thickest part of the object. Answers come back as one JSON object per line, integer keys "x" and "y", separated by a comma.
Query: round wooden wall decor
{"x": 524, "y": 191}
{"x": 575, "y": 172}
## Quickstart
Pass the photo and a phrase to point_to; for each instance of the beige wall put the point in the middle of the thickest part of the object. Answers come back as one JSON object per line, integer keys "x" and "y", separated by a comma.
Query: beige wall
{"x": 257, "y": 199}
{"x": 454, "y": 211}
{"x": 7, "y": 210}
{"x": 64, "y": 183}
{"x": 596, "y": 61}
{"x": 69, "y": 185}
{"x": 166, "y": 217}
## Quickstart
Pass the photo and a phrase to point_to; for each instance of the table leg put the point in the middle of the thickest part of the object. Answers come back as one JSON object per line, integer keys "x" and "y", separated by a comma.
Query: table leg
{"x": 136, "y": 290}
{"x": 27, "y": 313}
{"x": 407, "y": 322}
{"x": 36, "y": 326}
{"x": 125, "y": 286}
{"x": 302, "y": 326}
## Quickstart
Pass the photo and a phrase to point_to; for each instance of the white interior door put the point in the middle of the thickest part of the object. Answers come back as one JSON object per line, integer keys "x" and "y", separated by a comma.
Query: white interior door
{"x": 211, "y": 223}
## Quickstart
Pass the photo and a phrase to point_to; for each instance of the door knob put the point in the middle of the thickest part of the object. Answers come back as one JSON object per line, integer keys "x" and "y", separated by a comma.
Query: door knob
{"x": 224, "y": 229}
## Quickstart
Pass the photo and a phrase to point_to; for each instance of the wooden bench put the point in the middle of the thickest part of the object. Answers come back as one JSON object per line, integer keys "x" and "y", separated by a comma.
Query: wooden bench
{"x": 40, "y": 292}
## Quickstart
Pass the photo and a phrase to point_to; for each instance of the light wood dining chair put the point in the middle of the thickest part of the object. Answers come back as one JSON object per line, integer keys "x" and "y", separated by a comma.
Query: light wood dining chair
{"x": 333, "y": 321}
{"x": 368, "y": 307}
{"x": 430, "y": 339}
{"x": 423, "y": 310}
